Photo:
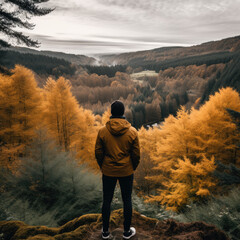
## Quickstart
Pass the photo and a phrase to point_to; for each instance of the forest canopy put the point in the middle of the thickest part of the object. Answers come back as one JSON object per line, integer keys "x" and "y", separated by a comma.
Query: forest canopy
{"x": 47, "y": 137}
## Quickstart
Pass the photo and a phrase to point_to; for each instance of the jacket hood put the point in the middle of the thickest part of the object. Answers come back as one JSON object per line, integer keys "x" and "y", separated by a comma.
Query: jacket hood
{"x": 118, "y": 126}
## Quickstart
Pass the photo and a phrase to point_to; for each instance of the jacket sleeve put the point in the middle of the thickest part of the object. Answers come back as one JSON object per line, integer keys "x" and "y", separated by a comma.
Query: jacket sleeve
{"x": 99, "y": 150}
{"x": 135, "y": 153}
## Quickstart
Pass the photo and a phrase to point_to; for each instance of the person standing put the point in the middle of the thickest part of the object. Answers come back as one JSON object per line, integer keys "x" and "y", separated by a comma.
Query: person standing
{"x": 117, "y": 153}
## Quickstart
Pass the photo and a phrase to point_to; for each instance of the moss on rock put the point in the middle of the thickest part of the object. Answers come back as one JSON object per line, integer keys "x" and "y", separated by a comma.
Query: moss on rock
{"x": 77, "y": 222}
{"x": 89, "y": 227}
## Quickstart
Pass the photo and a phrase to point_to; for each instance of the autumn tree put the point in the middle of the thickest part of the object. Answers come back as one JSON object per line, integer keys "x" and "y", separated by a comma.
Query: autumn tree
{"x": 143, "y": 185}
{"x": 85, "y": 142}
{"x": 106, "y": 116}
{"x": 215, "y": 131}
{"x": 187, "y": 144}
{"x": 20, "y": 112}
{"x": 61, "y": 111}
{"x": 72, "y": 126}
{"x": 188, "y": 182}
{"x": 174, "y": 139}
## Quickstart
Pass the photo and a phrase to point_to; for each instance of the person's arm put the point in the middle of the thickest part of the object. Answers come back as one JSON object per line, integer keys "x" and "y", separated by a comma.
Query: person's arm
{"x": 99, "y": 150}
{"x": 135, "y": 153}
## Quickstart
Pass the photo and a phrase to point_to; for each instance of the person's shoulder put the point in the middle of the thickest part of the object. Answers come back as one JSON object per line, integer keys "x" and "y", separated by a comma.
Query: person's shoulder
{"x": 133, "y": 131}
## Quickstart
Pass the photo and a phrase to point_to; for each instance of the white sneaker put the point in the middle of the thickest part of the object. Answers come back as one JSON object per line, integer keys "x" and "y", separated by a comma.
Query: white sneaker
{"x": 130, "y": 233}
{"x": 105, "y": 235}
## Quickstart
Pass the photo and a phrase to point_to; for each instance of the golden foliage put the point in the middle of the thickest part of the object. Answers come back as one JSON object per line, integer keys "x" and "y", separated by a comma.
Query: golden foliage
{"x": 177, "y": 158}
{"x": 146, "y": 166}
{"x": 187, "y": 145}
{"x": 106, "y": 116}
{"x": 188, "y": 180}
{"x": 24, "y": 108}
{"x": 215, "y": 133}
{"x": 61, "y": 111}
{"x": 72, "y": 126}
{"x": 20, "y": 108}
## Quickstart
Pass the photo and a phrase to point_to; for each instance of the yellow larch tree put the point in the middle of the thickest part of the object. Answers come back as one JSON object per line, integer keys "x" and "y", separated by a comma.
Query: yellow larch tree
{"x": 188, "y": 182}
{"x": 85, "y": 142}
{"x": 173, "y": 141}
{"x": 106, "y": 116}
{"x": 189, "y": 142}
{"x": 146, "y": 166}
{"x": 61, "y": 111}
{"x": 72, "y": 126}
{"x": 20, "y": 111}
{"x": 215, "y": 132}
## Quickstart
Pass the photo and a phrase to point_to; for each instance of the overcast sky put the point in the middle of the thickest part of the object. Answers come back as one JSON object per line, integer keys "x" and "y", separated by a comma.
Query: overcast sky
{"x": 109, "y": 26}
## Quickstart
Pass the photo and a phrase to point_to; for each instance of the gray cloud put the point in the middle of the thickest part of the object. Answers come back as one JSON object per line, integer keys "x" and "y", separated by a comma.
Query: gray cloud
{"x": 83, "y": 42}
{"x": 88, "y": 46}
{"x": 120, "y": 25}
{"x": 144, "y": 39}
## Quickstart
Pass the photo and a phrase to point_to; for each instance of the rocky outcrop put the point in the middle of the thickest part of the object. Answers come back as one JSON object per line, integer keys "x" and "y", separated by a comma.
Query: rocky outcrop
{"x": 89, "y": 227}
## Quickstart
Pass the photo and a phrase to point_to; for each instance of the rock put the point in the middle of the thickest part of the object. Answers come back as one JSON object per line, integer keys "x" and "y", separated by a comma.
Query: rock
{"x": 89, "y": 227}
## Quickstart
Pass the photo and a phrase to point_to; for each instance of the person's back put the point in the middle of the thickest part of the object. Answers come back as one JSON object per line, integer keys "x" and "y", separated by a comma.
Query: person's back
{"x": 121, "y": 151}
{"x": 118, "y": 154}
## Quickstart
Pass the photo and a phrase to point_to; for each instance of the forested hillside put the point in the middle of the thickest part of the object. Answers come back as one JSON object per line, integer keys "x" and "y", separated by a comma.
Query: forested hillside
{"x": 230, "y": 76}
{"x": 166, "y": 54}
{"x": 47, "y": 146}
{"x": 73, "y": 58}
{"x": 187, "y": 117}
{"x": 41, "y": 64}
{"x": 149, "y": 99}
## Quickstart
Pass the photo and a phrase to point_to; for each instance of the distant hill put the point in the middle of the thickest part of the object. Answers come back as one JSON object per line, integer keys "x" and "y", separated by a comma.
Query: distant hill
{"x": 40, "y": 64}
{"x": 73, "y": 58}
{"x": 167, "y": 54}
{"x": 43, "y": 62}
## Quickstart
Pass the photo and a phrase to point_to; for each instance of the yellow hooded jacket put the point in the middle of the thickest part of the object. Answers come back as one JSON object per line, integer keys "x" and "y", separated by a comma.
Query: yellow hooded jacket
{"x": 117, "y": 148}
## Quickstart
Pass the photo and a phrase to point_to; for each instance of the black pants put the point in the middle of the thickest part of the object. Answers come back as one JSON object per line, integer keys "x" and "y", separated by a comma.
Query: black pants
{"x": 109, "y": 184}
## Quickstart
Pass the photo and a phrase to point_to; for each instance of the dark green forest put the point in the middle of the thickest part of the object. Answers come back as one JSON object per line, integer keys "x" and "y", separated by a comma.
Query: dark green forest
{"x": 228, "y": 77}
{"x": 208, "y": 59}
{"x": 40, "y": 64}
